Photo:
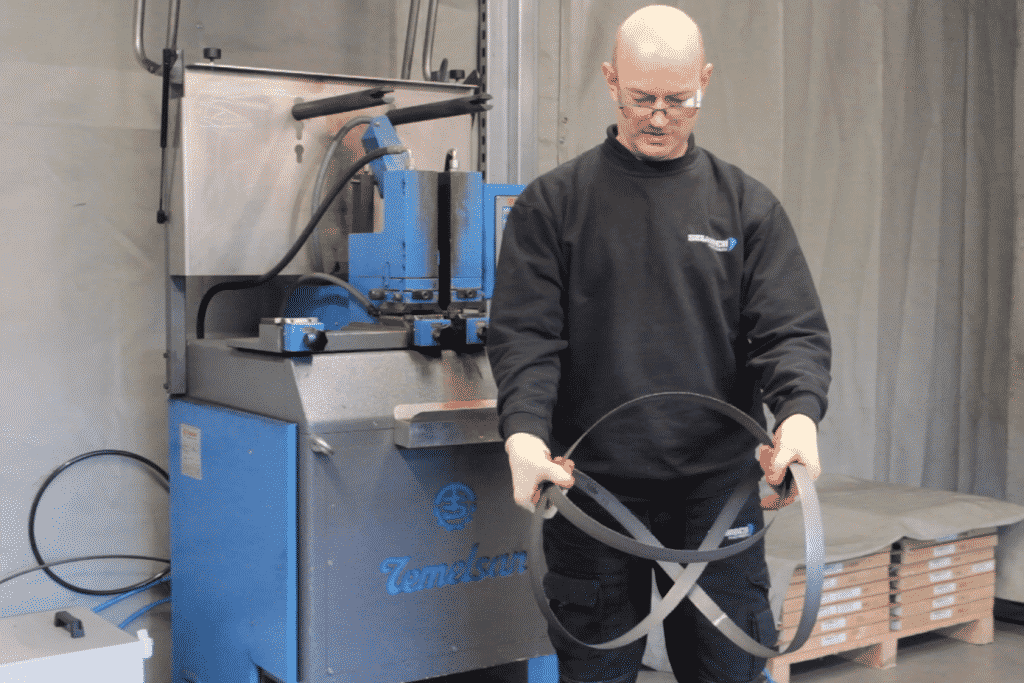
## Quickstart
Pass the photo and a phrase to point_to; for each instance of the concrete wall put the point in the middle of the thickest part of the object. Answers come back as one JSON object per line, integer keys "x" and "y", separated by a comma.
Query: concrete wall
{"x": 82, "y": 266}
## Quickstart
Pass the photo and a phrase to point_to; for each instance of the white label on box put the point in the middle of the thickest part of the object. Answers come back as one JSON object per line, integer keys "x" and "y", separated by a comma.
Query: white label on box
{"x": 943, "y": 602}
{"x": 191, "y": 451}
{"x": 833, "y": 639}
{"x": 829, "y": 584}
{"x": 944, "y": 588}
{"x": 944, "y": 550}
{"x": 940, "y": 576}
{"x": 941, "y": 614}
{"x": 830, "y": 569}
{"x": 940, "y": 563}
{"x": 836, "y": 596}
{"x": 844, "y": 608}
{"x": 983, "y": 567}
{"x": 833, "y": 624}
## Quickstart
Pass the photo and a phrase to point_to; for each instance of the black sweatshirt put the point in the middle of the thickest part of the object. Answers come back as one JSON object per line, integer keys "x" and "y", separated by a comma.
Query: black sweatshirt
{"x": 620, "y": 277}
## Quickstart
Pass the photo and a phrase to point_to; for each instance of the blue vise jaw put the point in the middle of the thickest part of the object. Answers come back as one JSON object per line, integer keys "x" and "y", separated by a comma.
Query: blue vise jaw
{"x": 380, "y": 133}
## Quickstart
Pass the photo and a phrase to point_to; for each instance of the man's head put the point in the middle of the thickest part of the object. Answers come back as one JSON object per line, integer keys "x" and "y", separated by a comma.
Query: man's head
{"x": 657, "y": 63}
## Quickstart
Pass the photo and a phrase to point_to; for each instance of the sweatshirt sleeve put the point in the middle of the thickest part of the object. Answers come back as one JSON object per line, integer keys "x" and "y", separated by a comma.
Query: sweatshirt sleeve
{"x": 790, "y": 348}
{"x": 524, "y": 338}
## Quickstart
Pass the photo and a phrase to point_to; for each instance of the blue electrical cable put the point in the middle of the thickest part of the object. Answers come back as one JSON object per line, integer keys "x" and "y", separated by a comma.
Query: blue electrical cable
{"x": 113, "y": 601}
{"x": 141, "y": 612}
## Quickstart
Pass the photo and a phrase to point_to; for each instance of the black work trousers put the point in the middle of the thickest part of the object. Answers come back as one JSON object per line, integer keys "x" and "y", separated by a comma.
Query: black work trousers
{"x": 599, "y": 593}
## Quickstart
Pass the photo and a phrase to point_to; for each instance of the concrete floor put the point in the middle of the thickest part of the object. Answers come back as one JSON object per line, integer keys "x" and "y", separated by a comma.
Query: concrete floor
{"x": 925, "y": 658}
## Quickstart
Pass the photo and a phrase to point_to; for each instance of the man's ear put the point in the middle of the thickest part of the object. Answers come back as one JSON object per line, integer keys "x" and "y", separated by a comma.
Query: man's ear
{"x": 705, "y": 77}
{"x": 612, "y": 78}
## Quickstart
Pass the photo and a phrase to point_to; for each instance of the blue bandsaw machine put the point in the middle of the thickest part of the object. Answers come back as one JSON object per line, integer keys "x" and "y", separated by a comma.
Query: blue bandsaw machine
{"x": 341, "y": 504}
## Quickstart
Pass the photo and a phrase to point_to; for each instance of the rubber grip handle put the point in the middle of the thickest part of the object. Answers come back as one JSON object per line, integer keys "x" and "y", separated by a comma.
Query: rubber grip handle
{"x": 470, "y": 104}
{"x": 363, "y": 99}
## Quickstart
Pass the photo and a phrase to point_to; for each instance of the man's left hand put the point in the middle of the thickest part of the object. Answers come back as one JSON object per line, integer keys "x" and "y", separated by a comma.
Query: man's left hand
{"x": 796, "y": 440}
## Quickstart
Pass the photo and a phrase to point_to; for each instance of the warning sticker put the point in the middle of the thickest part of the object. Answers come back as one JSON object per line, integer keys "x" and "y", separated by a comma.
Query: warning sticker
{"x": 191, "y": 451}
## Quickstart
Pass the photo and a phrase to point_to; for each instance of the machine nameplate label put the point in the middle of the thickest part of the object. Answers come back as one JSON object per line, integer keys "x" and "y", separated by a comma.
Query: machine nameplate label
{"x": 191, "y": 451}
{"x": 471, "y": 569}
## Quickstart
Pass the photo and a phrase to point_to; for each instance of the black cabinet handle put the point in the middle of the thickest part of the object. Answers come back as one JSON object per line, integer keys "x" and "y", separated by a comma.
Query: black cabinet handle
{"x": 70, "y": 622}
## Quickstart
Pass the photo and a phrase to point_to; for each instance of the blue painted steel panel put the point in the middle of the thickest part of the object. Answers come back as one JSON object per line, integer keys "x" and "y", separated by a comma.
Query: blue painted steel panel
{"x": 467, "y": 232}
{"x": 543, "y": 669}
{"x": 233, "y": 544}
{"x": 472, "y": 333}
{"x": 293, "y": 337}
{"x": 423, "y": 330}
{"x": 386, "y": 259}
{"x": 497, "y": 202}
{"x": 330, "y": 304}
{"x": 380, "y": 133}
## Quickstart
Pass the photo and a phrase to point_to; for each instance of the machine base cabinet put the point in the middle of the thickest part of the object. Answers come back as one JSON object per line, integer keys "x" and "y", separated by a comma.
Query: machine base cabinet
{"x": 308, "y": 546}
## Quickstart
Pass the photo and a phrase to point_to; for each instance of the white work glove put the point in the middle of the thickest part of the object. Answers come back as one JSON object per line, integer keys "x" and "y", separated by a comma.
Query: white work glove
{"x": 796, "y": 440}
{"x": 531, "y": 463}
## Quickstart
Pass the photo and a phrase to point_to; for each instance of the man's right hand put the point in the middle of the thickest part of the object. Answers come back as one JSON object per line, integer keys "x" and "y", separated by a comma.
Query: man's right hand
{"x": 531, "y": 463}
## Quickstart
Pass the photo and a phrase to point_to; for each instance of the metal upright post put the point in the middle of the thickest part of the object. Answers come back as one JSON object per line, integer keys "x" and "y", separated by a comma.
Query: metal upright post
{"x": 508, "y": 64}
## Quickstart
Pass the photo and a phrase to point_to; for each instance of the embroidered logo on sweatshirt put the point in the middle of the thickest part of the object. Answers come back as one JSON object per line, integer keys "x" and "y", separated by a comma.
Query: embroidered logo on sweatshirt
{"x": 717, "y": 245}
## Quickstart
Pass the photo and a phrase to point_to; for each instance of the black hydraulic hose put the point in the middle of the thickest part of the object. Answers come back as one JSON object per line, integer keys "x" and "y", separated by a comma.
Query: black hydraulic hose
{"x": 321, "y": 176}
{"x": 204, "y": 304}
{"x": 321, "y": 172}
{"x": 45, "y": 566}
{"x": 325, "y": 277}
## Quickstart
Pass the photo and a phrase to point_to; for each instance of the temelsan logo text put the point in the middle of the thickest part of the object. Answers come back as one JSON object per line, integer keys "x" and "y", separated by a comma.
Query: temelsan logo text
{"x": 471, "y": 569}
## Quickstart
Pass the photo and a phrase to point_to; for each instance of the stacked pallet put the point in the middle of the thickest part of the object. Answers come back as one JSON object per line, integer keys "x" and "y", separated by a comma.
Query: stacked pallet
{"x": 869, "y": 603}
{"x": 938, "y": 584}
{"x": 854, "y": 611}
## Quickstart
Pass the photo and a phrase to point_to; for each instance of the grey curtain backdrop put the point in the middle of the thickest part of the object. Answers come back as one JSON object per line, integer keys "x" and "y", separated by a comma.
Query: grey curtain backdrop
{"x": 888, "y": 128}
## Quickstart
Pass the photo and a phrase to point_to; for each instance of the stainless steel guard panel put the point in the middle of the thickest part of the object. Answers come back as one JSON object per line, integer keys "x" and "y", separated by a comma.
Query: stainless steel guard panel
{"x": 247, "y": 167}
{"x": 334, "y": 392}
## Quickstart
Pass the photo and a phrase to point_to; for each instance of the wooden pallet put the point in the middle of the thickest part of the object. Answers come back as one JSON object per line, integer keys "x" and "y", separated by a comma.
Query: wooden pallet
{"x": 946, "y": 588}
{"x": 879, "y": 650}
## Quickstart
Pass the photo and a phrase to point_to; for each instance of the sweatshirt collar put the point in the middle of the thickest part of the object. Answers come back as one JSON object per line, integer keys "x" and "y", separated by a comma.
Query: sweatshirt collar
{"x": 629, "y": 162}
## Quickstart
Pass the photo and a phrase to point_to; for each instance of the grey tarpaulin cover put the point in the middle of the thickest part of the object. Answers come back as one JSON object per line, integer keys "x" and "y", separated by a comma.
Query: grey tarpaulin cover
{"x": 862, "y": 517}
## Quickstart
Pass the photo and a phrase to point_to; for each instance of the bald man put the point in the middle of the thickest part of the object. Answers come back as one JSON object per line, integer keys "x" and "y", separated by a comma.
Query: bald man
{"x": 648, "y": 264}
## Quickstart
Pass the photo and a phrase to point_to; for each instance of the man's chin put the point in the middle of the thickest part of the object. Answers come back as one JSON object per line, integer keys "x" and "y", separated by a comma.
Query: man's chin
{"x": 649, "y": 152}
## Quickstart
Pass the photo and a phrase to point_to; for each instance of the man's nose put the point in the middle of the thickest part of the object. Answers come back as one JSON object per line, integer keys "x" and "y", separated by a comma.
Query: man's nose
{"x": 659, "y": 118}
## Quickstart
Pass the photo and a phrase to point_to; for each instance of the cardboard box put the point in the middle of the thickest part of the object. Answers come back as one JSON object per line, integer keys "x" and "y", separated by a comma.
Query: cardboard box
{"x": 856, "y": 564}
{"x": 792, "y": 619}
{"x": 909, "y": 609}
{"x": 943, "y": 576}
{"x": 936, "y": 590}
{"x": 840, "y": 623}
{"x": 907, "y": 555}
{"x": 946, "y": 616}
{"x": 842, "y": 580}
{"x": 939, "y": 563}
